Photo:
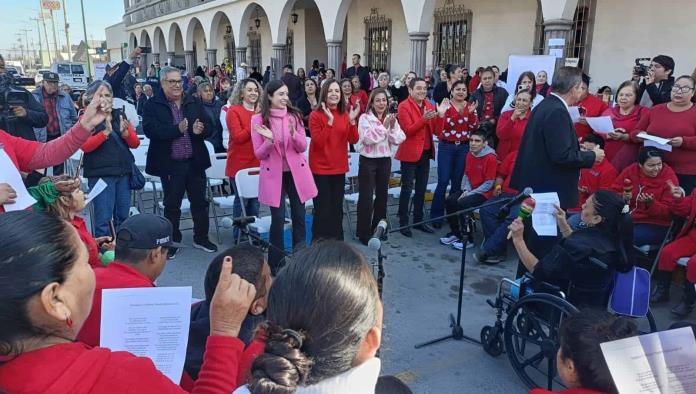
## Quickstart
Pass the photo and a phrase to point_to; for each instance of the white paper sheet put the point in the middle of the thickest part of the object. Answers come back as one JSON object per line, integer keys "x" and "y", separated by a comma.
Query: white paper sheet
{"x": 544, "y": 214}
{"x": 554, "y": 42}
{"x": 96, "y": 190}
{"x": 657, "y": 145}
{"x": 10, "y": 175}
{"x": 661, "y": 363}
{"x": 601, "y": 124}
{"x": 149, "y": 322}
{"x": 574, "y": 113}
{"x": 654, "y": 138}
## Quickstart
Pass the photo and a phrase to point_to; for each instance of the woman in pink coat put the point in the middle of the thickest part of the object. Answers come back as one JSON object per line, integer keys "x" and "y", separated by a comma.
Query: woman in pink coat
{"x": 279, "y": 144}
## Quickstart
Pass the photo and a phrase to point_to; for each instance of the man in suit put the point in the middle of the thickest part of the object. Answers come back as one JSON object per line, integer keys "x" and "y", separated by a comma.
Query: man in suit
{"x": 550, "y": 159}
{"x": 362, "y": 72}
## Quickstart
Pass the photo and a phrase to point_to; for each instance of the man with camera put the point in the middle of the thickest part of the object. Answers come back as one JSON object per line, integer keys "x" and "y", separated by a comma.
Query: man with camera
{"x": 59, "y": 108}
{"x": 655, "y": 81}
{"x": 19, "y": 111}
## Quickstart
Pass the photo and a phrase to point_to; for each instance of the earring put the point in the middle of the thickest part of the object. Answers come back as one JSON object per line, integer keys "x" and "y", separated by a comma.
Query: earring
{"x": 68, "y": 322}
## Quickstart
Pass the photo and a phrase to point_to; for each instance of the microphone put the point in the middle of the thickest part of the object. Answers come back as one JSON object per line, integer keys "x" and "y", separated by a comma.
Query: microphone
{"x": 241, "y": 221}
{"x": 375, "y": 243}
{"x": 505, "y": 209}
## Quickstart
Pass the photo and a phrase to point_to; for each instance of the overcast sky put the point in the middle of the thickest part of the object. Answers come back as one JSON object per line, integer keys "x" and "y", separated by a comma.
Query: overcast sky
{"x": 16, "y": 16}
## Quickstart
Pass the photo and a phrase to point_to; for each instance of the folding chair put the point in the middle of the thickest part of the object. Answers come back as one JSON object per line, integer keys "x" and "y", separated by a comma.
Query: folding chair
{"x": 352, "y": 197}
{"x": 216, "y": 172}
{"x": 247, "y": 186}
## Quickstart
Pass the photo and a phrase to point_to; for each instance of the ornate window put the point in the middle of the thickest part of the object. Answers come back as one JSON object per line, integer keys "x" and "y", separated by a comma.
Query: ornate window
{"x": 255, "y": 50}
{"x": 290, "y": 49}
{"x": 539, "y": 44}
{"x": 451, "y": 37}
{"x": 580, "y": 35}
{"x": 378, "y": 34}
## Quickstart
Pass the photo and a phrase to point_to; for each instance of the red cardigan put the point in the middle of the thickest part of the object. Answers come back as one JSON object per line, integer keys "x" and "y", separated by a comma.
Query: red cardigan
{"x": 593, "y": 106}
{"x": 419, "y": 133}
{"x": 656, "y": 212}
{"x": 88, "y": 240}
{"x": 662, "y": 122}
{"x": 509, "y": 133}
{"x": 240, "y": 153}
{"x": 115, "y": 276}
{"x": 78, "y": 369}
{"x": 328, "y": 152}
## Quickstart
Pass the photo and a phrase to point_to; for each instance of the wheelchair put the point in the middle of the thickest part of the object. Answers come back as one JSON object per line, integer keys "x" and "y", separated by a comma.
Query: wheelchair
{"x": 533, "y": 312}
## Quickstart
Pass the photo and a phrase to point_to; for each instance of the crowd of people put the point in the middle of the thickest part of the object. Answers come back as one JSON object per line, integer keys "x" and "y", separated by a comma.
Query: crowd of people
{"x": 264, "y": 326}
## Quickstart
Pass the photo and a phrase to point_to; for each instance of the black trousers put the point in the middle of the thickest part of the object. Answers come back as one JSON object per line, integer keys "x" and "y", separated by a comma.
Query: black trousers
{"x": 413, "y": 173}
{"x": 373, "y": 180}
{"x": 276, "y": 253}
{"x": 454, "y": 204}
{"x": 186, "y": 179}
{"x": 328, "y": 207}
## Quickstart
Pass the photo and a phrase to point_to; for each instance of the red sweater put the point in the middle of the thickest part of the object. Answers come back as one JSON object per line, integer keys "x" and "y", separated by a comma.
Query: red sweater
{"x": 328, "y": 152}
{"x": 599, "y": 177}
{"x": 662, "y": 122}
{"x": 505, "y": 172}
{"x": 78, "y": 369}
{"x": 509, "y": 133}
{"x": 115, "y": 276}
{"x": 94, "y": 141}
{"x": 88, "y": 240}
{"x": 592, "y": 106}
{"x": 626, "y": 122}
{"x": 457, "y": 125}
{"x": 480, "y": 169}
{"x": 240, "y": 153}
{"x": 685, "y": 207}
{"x": 657, "y": 212}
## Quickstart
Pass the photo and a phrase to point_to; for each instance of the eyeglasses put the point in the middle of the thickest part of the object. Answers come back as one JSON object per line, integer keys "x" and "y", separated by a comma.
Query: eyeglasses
{"x": 681, "y": 89}
{"x": 175, "y": 81}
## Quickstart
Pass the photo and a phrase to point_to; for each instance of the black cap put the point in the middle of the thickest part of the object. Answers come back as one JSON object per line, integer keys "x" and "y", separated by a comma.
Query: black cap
{"x": 146, "y": 231}
{"x": 51, "y": 77}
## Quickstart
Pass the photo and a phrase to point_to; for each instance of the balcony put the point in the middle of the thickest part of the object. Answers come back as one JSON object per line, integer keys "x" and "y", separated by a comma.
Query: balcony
{"x": 145, "y": 10}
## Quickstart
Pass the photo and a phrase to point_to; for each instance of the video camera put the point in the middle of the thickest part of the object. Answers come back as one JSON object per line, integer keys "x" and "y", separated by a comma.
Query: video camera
{"x": 11, "y": 96}
{"x": 641, "y": 69}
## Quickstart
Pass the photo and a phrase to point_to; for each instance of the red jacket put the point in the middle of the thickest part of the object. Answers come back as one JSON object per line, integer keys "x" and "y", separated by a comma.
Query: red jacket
{"x": 481, "y": 168}
{"x": 505, "y": 172}
{"x": 115, "y": 276}
{"x": 88, "y": 240}
{"x": 457, "y": 126}
{"x": 592, "y": 106}
{"x": 685, "y": 207}
{"x": 656, "y": 212}
{"x": 600, "y": 176}
{"x": 419, "y": 133}
{"x": 240, "y": 154}
{"x": 78, "y": 369}
{"x": 509, "y": 133}
{"x": 662, "y": 122}
{"x": 328, "y": 152}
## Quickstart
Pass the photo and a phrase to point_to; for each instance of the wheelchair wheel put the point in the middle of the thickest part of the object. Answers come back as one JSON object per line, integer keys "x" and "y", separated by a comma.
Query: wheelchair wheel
{"x": 492, "y": 341}
{"x": 531, "y": 338}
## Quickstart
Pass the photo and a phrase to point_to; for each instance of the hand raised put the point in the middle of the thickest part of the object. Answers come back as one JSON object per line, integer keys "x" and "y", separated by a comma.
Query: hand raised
{"x": 183, "y": 126}
{"x": 97, "y": 110}
{"x": 198, "y": 127}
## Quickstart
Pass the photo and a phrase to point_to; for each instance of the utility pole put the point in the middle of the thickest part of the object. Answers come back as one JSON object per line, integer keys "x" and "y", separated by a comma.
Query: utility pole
{"x": 67, "y": 33}
{"x": 43, "y": 21}
{"x": 38, "y": 29}
{"x": 21, "y": 46}
{"x": 55, "y": 36}
{"x": 26, "y": 43}
{"x": 84, "y": 28}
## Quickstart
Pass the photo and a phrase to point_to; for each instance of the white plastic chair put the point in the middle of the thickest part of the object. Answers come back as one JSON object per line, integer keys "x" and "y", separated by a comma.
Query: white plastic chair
{"x": 352, "y": 197}
{"x": 247, "y": 184}
{"x": 216, "y": 172}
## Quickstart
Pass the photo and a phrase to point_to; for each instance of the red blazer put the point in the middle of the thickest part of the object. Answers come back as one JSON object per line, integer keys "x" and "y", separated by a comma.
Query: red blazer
{"x": 419, "y": 133}
{"x": 509, "y": 133}
{"x": 78, "y": 369}
{"x": 240, "y": 153}
{"x": 115, "y": 276}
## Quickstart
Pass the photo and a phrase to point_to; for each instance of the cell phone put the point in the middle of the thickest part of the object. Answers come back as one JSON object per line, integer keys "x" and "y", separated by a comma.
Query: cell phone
{"x": 79, "y": 166}
{"x": 112, "y": 229}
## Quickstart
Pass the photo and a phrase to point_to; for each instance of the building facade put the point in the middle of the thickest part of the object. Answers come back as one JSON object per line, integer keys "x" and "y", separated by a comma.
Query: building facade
{"x": 602, "y": 36}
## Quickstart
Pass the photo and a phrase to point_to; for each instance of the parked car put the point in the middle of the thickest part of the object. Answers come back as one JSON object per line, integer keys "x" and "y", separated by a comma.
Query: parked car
{"x": 38, "y": 78}
{"x": 71, "y": 74}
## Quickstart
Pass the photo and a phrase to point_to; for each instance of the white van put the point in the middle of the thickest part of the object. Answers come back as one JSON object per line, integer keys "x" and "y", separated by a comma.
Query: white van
{"x": 71, "y": 74}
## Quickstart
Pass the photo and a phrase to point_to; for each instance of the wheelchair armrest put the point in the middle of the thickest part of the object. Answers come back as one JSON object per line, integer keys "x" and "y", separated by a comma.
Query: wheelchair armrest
{"x": 599, "y": 263}
{"x": 541, "y": 285}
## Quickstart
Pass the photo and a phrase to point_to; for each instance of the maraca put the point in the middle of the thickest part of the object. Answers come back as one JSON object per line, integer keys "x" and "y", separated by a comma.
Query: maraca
{"x": 526, "y": 209}
{"x": 627, "y": 186}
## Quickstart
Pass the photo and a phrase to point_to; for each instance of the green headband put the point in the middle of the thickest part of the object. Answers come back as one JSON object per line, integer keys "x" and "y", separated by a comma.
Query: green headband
{"x": 45, "y": 194}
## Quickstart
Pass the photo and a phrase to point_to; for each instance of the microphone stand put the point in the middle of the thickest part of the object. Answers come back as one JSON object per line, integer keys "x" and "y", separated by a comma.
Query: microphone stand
{"x": 264, "y": 244}
{"x": 455, "y": 323}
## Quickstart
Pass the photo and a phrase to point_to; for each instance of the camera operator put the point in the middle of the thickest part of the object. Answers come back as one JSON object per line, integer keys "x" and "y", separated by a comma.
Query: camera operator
{"x": 655, "y": 87}
{"x": 23, "y": 112}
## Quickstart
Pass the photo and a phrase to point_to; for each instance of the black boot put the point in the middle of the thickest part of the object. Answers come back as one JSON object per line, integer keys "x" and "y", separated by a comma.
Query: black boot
{"x": 663, "y": 280}
{"x": 687, "y": 303}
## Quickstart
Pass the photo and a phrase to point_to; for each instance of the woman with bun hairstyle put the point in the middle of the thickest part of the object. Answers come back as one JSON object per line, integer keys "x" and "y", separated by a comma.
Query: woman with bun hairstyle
{"x": 324, "y": 326}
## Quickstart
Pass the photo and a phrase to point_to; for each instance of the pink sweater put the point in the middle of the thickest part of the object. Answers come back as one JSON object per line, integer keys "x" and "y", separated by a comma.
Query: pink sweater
{"x": 375, "y": 139}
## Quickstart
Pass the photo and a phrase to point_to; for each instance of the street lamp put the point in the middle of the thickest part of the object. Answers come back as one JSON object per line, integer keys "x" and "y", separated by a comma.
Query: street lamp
{"x": 294, "y": 17}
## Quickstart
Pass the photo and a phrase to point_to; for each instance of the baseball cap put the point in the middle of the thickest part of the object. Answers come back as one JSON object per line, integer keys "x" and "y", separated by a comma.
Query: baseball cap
{"x": 146, "y": 231}
{"x": 51, "y": 77}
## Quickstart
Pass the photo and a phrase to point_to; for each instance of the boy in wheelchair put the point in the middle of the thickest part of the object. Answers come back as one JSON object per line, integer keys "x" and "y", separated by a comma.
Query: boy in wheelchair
{"x": 605, "y": 233}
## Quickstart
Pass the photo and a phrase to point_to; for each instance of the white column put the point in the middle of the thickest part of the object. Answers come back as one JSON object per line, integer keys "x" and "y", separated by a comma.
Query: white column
{"x": 211, "y": 58}
{"x": 557, "y": 28}
{"x": 188, "y": 57}
{"x": 155, "y": 57}
{"x": 419, "y": 42}
{"x": 278, "y": 60}
{"x": 241, "y": 55}
{"x": 170, "y": 58}
{"x": 334, "y": 55}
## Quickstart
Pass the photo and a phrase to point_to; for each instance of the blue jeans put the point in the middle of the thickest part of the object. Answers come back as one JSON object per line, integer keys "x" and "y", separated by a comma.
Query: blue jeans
{"x": 648, "y": 234}
{"x": 251, "y": 207}
{"x": 451, "y": 159}
{"x": 495, "y": 230}
{"x": 113, "y": 202}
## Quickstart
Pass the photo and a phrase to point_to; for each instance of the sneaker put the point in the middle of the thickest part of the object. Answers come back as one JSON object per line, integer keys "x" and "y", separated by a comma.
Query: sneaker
{"x": 495, "y": 259}
{"x": 171, "y": 253}
{"x": 481, "y": 257}
{"x": 449, "y": 239}
{"x": 205, "y": 245}
{"x": 459, "y": 245}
